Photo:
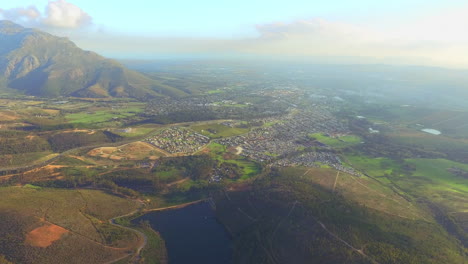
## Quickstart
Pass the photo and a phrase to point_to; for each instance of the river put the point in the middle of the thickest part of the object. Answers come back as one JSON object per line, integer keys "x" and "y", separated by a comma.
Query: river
{"x": 192, "y": 234}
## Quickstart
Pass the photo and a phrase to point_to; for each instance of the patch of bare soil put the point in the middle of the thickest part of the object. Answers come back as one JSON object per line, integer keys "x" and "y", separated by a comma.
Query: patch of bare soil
{"x": 45, "y": 235}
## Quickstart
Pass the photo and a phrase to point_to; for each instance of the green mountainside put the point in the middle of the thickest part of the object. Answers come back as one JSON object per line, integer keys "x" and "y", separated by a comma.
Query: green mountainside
{"x": 37, "y": 63}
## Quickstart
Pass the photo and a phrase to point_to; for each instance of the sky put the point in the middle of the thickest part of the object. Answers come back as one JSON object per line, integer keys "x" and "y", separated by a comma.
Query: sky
{"x": 422, "y": 32}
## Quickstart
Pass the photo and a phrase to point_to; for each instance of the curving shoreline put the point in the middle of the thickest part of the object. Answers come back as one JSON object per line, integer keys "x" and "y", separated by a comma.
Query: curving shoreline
{"x": 143, "y": 238}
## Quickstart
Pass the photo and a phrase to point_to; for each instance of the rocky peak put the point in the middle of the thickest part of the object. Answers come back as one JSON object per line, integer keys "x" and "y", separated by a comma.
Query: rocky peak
{"x": 8, "y": 27}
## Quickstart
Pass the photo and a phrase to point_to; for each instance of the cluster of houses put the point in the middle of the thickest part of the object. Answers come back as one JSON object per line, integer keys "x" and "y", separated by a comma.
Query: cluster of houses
{"x": 281, "y": 141}
{"x": 285, "y": 136}
{"x": 178, "y": 140}
{"x": 316, "y": 159}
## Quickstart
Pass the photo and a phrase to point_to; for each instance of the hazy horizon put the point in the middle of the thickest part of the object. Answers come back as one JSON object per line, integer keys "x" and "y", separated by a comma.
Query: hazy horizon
{"x": 429, "y": 33}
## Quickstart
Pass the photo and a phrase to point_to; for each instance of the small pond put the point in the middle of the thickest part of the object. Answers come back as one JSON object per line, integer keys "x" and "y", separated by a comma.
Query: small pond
{"x": 431, "y": 131}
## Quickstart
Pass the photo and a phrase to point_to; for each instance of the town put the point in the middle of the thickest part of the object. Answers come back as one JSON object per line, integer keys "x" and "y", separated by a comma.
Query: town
{"x": 178, "y": 140}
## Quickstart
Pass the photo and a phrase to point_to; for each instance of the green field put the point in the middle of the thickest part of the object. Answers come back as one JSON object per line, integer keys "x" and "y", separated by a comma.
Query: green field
{"x": 373, "y": 166}
{"x": 101, "y": 116}
{"x": 340, "y": 142}
{"x": 249, "y": 168}
{"x": 217, "y": 91}
{"x": 219, "y": 130}
{"x": 433, "y": 172}
{"x": 426, "y": 179}
{"x": 436, "y": 170}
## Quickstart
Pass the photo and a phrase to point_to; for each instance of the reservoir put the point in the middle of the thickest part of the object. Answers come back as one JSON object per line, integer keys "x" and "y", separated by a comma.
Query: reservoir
{"x": 431, "y": 131}
{"x": 192, "y": 234}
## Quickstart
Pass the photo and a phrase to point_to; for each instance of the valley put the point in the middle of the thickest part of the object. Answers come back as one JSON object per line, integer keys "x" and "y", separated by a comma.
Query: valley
{"x": 286, "y": 164}
{"x": 283, "y": 171}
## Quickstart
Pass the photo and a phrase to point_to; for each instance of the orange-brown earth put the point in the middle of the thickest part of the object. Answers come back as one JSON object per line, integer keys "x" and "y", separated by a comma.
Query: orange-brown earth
{"x": 133, "y": 151}
{"x": 45, "y": 235}
{"x": 8, "y": 116}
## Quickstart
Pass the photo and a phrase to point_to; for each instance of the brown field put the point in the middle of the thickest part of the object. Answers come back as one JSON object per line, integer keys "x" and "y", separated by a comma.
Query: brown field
{"x": 45, "y": 173}
{"x": 88, "y": 131}
{"x": 8, "y": 116}
{"x": 11, "y": 125}
{"x": 132, "y": 151}
{"x": 51, "y": 111}
{"x": 45, "y": 235}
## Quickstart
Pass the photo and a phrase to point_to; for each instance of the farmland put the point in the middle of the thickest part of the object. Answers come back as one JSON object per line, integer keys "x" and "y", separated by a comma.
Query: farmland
{"x": 96, "y": 115}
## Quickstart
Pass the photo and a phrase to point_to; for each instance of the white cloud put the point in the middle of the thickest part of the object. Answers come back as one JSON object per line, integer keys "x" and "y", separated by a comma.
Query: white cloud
{"x": 312, "y": 37}
{"x": 444, "y": 27}
{"x": 436, "y": 40}
{"x": 303, "y": 39}
{"x": 57, "y": 14}
{"x": 21, "y": 14}
{"x": 60, "y": 13}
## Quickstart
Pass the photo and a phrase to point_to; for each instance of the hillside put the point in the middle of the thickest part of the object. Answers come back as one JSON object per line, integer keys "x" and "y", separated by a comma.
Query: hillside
{"x": 43, "y": 225}
{"x": 37, "y": 63}
{"x": 287, "y": 217}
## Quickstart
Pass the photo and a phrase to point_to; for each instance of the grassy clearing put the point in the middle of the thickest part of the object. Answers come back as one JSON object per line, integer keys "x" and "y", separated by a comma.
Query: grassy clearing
{"x": 104, "y": 115}
{"x": 133, "y": 131}
{"x": 436, "y": 170}
{"x": 341, "y": 142}
{"x": 218, "y": 130}
{"x": 170, "y": 175}
{"x": 427, "y": 179}
{"x": 220, "y": 153}
{"x": 373, "y": 166}
{"x": 218, "y": 91}
{"x": 433, "y": 173}
{"x": 431, "y": 181}
{"x": 216, "y": 148}
{"x": 32, "y": 186}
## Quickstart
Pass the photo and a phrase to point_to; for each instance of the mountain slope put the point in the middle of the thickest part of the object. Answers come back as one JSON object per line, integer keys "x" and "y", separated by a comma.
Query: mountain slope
{"x": 38, "y": 63}
{"x": 285, "y": 217}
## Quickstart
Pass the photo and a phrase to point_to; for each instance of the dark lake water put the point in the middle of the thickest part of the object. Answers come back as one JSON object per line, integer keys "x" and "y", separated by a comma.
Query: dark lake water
{"x": 192, "y": 234}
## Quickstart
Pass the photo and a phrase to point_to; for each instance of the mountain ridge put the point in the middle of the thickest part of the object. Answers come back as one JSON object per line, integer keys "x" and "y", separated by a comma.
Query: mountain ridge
{"x": 38, "y": 63}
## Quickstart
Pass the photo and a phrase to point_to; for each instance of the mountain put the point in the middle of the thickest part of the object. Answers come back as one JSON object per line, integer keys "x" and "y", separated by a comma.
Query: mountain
{"x": 38, "y": 63}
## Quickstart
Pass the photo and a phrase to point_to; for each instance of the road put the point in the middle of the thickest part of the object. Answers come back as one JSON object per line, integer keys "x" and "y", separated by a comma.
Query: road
{"x": 143, "y": 239}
